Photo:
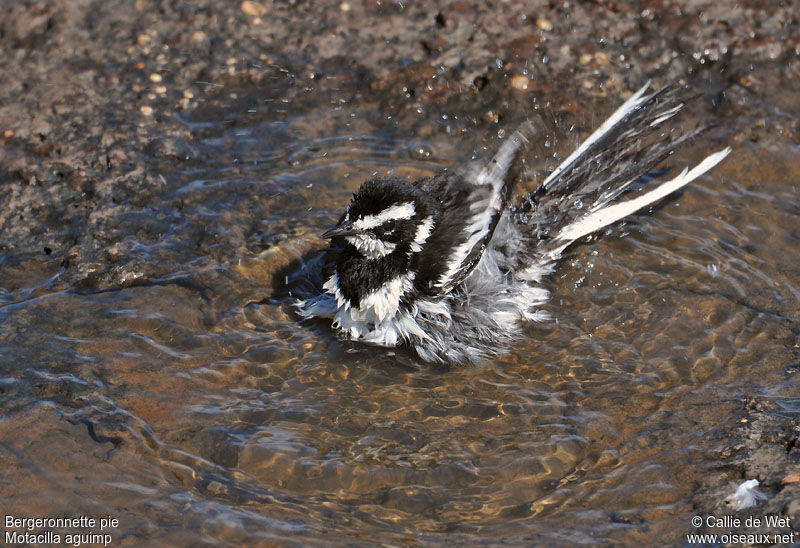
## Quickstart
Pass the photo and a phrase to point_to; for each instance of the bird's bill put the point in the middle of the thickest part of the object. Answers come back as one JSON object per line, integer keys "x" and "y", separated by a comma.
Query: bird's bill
{"x": 341, "y": 230}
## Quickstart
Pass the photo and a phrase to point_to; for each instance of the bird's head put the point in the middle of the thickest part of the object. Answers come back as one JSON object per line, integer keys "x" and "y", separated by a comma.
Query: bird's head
{"x": 386, "y": 215}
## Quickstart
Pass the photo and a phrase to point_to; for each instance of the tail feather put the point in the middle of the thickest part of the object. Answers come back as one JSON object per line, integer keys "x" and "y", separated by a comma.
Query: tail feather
{"x": 575, "y": 199}
{"x": 625, "y": 147}
{"x": 609, "y": 214}
{"x": 623, "y": 138}
{"x": 595, "y": 139}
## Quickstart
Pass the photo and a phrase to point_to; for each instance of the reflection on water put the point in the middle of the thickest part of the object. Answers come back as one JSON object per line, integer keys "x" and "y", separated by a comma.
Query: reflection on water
{"x": 197, "y": 410}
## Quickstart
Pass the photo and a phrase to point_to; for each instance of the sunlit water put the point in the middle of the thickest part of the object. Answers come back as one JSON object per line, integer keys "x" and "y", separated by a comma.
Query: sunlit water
{"x": 198, "y": 411}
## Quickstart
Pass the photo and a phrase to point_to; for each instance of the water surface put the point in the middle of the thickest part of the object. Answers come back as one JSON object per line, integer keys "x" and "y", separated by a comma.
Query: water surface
{"x": 196, "y": 409}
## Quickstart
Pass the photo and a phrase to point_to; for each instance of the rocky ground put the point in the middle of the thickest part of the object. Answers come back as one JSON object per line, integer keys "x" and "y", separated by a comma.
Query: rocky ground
{"x": 96, "y": 95}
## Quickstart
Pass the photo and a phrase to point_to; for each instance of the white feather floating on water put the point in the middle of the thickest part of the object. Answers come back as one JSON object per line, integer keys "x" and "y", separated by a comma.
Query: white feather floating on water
{"x": 746, "y": 495}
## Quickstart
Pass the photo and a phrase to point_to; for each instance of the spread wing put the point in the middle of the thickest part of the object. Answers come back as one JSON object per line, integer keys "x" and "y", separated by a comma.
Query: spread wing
{"x": 472, "y": 200}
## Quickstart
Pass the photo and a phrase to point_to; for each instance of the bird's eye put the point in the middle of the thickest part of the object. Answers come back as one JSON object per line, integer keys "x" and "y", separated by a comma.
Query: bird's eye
{"x": 389, "y": 225}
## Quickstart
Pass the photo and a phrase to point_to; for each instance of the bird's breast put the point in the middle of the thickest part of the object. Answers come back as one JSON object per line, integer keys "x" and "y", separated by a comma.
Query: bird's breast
{"x": 374, "y": 311}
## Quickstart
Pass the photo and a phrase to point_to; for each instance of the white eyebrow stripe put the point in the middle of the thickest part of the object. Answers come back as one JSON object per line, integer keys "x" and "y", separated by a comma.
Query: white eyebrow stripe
{"x": 393, "y": 213}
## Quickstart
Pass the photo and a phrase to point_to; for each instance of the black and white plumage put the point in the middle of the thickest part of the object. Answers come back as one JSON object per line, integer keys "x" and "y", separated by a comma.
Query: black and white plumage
{"x": 448, "y": 264}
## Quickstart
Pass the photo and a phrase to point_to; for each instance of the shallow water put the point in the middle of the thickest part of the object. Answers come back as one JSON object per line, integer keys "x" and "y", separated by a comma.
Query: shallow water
{"x": 197, "y": 410}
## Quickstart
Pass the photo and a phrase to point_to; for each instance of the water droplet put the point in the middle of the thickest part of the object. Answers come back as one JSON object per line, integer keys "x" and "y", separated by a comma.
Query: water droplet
{"x": 421, "y": 152}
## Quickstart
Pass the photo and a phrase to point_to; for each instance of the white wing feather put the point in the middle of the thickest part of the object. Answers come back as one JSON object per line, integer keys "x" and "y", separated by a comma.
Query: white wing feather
{"x": 483, "y": 211}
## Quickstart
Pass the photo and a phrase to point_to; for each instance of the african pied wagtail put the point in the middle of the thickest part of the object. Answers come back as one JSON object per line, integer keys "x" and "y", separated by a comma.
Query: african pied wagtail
{"x": 448, "y": 264}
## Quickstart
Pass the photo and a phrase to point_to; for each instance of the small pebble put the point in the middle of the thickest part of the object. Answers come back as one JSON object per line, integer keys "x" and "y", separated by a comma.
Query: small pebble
{"x": 345, "y": 7}
{"x": 155, "y": 77}
{"x": 585, "y": 58}
{"x": 8, "y": 134}
{"x": 520, "y": 81}
{"x": 493, "y": 116}
{"x": 253, "y": 8}
{"x": 601, "y": 58}
{"x": 544, "y": 24}
{"x": 147, "y": 110}
{"x": 161, "y": 90}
